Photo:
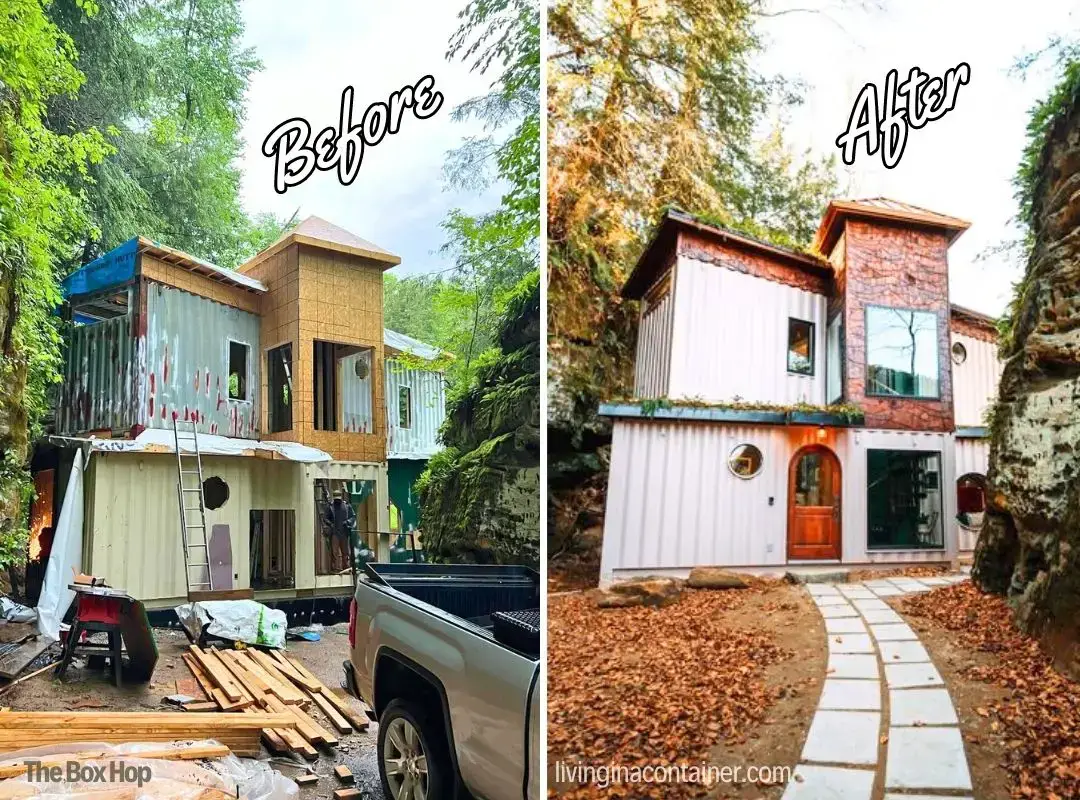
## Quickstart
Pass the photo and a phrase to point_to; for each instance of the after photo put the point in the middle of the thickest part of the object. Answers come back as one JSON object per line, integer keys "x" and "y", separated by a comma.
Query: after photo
{"x": 812, "y": 400}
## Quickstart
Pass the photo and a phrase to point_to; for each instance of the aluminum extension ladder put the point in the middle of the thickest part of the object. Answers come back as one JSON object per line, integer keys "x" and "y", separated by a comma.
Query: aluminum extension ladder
{"x": 192, "y": 517}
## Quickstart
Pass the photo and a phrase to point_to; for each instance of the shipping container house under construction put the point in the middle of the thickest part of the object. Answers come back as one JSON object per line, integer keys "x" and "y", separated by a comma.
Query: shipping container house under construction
{"x": 279, "y": 365}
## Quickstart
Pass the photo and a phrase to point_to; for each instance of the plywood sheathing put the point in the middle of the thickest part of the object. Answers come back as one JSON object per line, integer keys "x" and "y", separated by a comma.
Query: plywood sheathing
{"x": 157, "y": 270}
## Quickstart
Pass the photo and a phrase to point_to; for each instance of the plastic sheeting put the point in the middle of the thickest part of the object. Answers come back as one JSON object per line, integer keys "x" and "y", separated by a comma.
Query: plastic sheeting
{"x": 65, "y": 557}
{"x": 128, "y": 775}
{"x": 236, "y": 620}
{"x": 160, "y": 440}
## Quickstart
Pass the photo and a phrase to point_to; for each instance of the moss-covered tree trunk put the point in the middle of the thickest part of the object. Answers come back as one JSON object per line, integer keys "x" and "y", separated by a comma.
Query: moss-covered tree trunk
{"x": 1030, "y": 546}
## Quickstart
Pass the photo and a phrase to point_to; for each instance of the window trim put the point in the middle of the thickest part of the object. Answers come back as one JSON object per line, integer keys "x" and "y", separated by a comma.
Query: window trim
{"x": 757, "y": 472}
{"x": 963, "y": 353}
{"x": 866, "y": 354}
{"x": 249, "y": 397}
{"x": 813, "y": 349}
{"x": 838, "y": 317}
{"x": 941, "y": 511}
{"x": 408, "y": 407}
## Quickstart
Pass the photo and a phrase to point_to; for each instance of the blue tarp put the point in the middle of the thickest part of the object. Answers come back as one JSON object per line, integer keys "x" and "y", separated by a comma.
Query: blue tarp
{"x": 115, "y": 268}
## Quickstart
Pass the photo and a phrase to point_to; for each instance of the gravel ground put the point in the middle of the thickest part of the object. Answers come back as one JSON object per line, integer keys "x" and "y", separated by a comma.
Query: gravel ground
{"x": 89, "y": 690}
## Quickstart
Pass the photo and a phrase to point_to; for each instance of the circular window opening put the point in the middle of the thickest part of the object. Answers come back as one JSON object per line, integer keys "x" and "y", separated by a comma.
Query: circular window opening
{"x": 745, "y": 461}
{"x": 959, "y": 353}
{"x": 971, "y": 501}
{"x": 215, "y": 492}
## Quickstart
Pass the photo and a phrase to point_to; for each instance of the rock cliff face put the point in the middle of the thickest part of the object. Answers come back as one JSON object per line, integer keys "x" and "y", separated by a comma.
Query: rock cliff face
{"x": 1030, "y": 546}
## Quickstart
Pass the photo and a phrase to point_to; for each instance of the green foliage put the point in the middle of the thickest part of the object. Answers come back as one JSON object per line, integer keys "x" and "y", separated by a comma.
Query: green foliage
{"x": 41, "y": 218}
{"x": 480, "y": 495}
{"x": 849, "y": 412}
{"x": 166, "y": 81}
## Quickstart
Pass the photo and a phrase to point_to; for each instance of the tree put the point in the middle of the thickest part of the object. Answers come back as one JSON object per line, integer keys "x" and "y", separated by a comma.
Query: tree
{"x": 41, "y": 220}
{"x": 166, "y": 80}
{"x": 481, "y": 495}
{"x": 651, "y": 103}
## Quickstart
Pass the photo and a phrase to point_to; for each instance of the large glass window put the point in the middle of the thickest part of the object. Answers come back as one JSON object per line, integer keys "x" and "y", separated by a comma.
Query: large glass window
{"x": 834, "y": 389}
{"x": 800, "y": 348}
{"x": 903, "y": 500}
{"x": 901, "y": 352}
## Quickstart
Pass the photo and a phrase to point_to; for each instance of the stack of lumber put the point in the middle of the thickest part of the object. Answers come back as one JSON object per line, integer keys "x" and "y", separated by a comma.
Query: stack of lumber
{"x": 249, "y": 681}
{"x": 239, "y": 732}
{"x": 194, "y": 752}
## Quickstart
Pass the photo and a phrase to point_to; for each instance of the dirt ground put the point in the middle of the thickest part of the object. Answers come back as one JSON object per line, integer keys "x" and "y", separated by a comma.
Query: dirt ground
{"x": 787, "y": 613}
{"x": 90, "y": 690}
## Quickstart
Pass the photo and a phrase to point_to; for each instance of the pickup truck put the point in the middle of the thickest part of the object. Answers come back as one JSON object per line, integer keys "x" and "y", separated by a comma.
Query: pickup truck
{"x": 447, "y": 657}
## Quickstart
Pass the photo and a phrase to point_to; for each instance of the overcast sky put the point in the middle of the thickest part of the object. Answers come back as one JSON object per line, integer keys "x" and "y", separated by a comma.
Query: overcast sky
{"x": 961, "y": 164}
{"x": 398, "y": 199}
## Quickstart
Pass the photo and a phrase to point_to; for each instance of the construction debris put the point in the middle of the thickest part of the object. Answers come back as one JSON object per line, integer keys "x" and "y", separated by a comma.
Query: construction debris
{"x": 250, "y": 679}
{"x": 343, "y": 774}
{"x": 239, "y": 732}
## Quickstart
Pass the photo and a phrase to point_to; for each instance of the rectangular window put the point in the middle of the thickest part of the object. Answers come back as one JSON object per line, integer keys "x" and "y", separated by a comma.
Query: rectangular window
{"x": 903, "y": 500}
{"x": 404, "y": 404}
{"x": 279, "y": 388}
{"x": 238, "y": 371}
{"x": 325, "y": 387}
{"x": 901, "y": 353}
{"x": 800, "y": 347}
{"x": 834, "y": 376}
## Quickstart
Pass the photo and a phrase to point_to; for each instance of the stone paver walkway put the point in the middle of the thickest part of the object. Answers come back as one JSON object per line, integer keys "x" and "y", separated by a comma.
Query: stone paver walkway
{"x": 880, "y": 682}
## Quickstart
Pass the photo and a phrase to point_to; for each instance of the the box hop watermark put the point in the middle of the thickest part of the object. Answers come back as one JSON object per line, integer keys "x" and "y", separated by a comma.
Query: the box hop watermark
{"x": 88, "y": 772}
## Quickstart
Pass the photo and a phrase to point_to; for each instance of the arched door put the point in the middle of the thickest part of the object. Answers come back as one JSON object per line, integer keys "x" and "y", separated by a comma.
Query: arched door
{"x": 814, "y": 504}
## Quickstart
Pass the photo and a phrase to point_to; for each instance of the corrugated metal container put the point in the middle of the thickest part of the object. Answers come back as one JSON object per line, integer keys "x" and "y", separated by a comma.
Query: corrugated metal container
{"x": 132, "y": 528}
{"x": 427, "y": 390}
{"x": 356, "y": 393}
{"x": 653, "y": 359}
{"x": 97, "y": 392}
{"x": 674, "y": 504}
{"x": 972, "y": 458}
{"x": 730, "y": 337}
{"x": 185, "y": 369}
{"x": 975, "y": 381}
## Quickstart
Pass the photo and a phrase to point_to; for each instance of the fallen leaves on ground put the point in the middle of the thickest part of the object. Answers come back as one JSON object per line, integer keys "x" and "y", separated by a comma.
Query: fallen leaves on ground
{"x": 919, "y": 571}
{"x": 1040, "y": 720}
{"x": 652, "y": 686}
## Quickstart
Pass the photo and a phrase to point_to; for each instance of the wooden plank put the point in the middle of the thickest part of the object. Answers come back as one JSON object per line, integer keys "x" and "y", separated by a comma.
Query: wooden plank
{"x": 358, "y": 721}
{"x": 248, "y": 682}
{"x": 201, "y": 676}
{"x": 217, "y": 656}
{"x": 218, "y": 673}
{"x": 281, "y": 664}
{"x": 306, "y": 780}
{"x": 279, "y": 686}
{"x": 181, "y": 752}
{"x": 343, "y": 774}
{"x": 139, "y": 720}
{"x": 346, "y": 794}
{"x": 225, "y": 704}
{"x": 222, "y": 594}
{"x": 17, "y": 660}
{"x": 200, "y": 706}
{"x": 336, "y": 719}
{"x": 306, "y": 726}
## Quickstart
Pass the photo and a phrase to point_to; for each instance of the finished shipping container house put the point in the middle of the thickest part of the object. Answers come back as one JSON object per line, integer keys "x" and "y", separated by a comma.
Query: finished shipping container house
{"x": 793, "y": 410}
{"x": 280, "y": 365}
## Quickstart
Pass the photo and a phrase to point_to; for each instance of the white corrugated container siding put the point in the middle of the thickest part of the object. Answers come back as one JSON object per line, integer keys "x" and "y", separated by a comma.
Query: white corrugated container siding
{"x": 356, "y": 407}
{"x": 673, "y": 504}
{"x": 730, "y": 337}
{"x": 653, "y": 358}
{"x": 427, "y": 390}
{"x": 975, "y": 382}
{"x": 972, "y": 458}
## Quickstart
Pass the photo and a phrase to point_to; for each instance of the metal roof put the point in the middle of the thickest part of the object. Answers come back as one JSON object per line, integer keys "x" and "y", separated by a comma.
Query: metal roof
{"x": 407, "y": 344}
{"x": 160, "y": 440}
{"x": 882, "y": 208}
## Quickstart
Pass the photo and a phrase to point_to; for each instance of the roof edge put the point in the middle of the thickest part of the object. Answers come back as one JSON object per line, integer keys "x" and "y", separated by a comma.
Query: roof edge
{"x": 838, "y": 210}
{"x": 388, "y": 259}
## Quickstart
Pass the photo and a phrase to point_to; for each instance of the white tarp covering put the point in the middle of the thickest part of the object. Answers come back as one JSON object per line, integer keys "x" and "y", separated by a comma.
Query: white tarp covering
{"x": 160, "y": 440}
{"x": 65, "y": 557}
{"x": 235, "y": 620}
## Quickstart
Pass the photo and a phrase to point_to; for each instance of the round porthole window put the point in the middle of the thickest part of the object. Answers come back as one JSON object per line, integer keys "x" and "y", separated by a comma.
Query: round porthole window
{"x": 959, "y": 353}
{"x": 971, "y": 501}
{"x": 745, "y": 461}
{"x": 215, "y": 492}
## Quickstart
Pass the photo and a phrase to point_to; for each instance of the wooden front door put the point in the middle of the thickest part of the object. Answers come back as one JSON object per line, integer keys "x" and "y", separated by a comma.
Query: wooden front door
{"x": 814, "y": 504}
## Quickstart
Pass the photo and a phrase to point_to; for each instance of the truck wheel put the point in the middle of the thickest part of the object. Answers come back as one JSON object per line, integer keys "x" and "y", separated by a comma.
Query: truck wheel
{"x": 414, "y": 760}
